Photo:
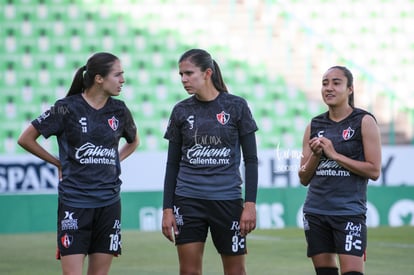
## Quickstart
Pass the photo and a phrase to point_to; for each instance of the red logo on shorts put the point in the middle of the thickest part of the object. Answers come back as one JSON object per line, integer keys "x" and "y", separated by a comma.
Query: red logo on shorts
{"x": 66, "y": 240}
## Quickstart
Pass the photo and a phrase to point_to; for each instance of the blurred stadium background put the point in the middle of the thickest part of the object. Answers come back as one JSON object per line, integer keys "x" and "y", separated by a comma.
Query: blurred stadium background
{"x": 271, "y": 52}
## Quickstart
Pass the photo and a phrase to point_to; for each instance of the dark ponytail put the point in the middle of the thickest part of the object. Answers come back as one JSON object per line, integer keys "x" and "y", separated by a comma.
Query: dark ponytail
{"x": 203, "y": 60}
{"x": 98, "y": 64}
{"x": 77, "y": 86}
{"x": 217, "y": 79}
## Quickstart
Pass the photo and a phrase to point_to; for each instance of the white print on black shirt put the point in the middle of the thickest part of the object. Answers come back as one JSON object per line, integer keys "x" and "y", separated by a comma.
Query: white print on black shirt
{"x": 205, "y": 152}
{"x": 328, "y": 167}
{"x": 43, "y": 116}
{"x": 190, "y": 120}
{"x": 90, "y": 153}
{"x": 199, "y": 154}
{"x": 84, "y": 124}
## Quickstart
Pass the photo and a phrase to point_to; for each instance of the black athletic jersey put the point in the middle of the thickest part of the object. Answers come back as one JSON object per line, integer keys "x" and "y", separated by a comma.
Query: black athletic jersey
{"x": 210, "y": 136}
{"x": 334, "y": 190}
{"x": 88, "y": 142}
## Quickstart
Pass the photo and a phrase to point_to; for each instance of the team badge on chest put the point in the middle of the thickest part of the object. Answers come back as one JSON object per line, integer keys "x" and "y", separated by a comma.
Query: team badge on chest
{"x": 348, "y": 133}
{"x": 113, "y": 123}
{"x": 223, "y": 117}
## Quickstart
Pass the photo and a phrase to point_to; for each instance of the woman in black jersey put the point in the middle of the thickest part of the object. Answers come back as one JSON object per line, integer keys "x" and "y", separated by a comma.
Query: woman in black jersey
{"x": 203, "y": 186}
{"x": 88, "y": 124}
{"x": 341, "y": 152}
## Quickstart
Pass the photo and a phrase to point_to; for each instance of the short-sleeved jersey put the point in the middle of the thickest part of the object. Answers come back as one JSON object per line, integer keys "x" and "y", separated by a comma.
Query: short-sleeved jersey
{"x": 334, "y": 190}
{"x": 210, "y": 136}
{"x": 88, "y": 142}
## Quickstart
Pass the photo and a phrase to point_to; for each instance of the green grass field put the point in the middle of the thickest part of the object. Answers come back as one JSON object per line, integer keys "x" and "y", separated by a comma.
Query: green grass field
{"x": 278, "y": 252}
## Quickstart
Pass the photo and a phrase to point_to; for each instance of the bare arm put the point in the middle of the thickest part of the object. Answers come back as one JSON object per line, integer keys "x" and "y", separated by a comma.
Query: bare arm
{"x": 371, "y": 141}
{"x": 169, "y": 224}
{"x": 128, "y": 148}
{"x": 311, "y": 153}
{"x": 28, "y": 140}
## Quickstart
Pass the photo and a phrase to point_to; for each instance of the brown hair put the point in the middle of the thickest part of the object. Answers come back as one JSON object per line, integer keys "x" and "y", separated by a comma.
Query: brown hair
{"x": 203, "y": 60}
{"x": 98, "y": 64}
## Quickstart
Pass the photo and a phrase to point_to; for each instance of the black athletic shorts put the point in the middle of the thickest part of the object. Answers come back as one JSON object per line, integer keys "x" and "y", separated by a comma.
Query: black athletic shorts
{"x": 335, "y": 234}
{"x": 89, "y": 230}
{"x": 195, "y": 217}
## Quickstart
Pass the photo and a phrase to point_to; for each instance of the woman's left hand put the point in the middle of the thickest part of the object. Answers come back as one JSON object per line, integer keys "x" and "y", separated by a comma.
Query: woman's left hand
{"x": 248, "y": 218}
{"x": 328, "y": 148}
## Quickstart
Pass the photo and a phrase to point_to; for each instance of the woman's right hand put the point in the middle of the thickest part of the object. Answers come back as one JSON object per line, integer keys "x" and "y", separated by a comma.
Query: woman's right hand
{"x": 316, "y": 146}
{"x": 169, "y": 225}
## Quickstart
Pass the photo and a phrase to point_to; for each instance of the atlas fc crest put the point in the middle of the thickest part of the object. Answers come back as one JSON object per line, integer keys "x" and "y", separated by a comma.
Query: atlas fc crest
{"x": 113, "y": 123}
{"x": 223, "y": 117}
{"x": 348, "y": 133}
{"x": 66, "y": 240}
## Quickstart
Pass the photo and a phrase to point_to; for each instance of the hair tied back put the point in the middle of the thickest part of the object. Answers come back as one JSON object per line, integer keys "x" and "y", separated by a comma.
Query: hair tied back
{"x": 85, "y": 71}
